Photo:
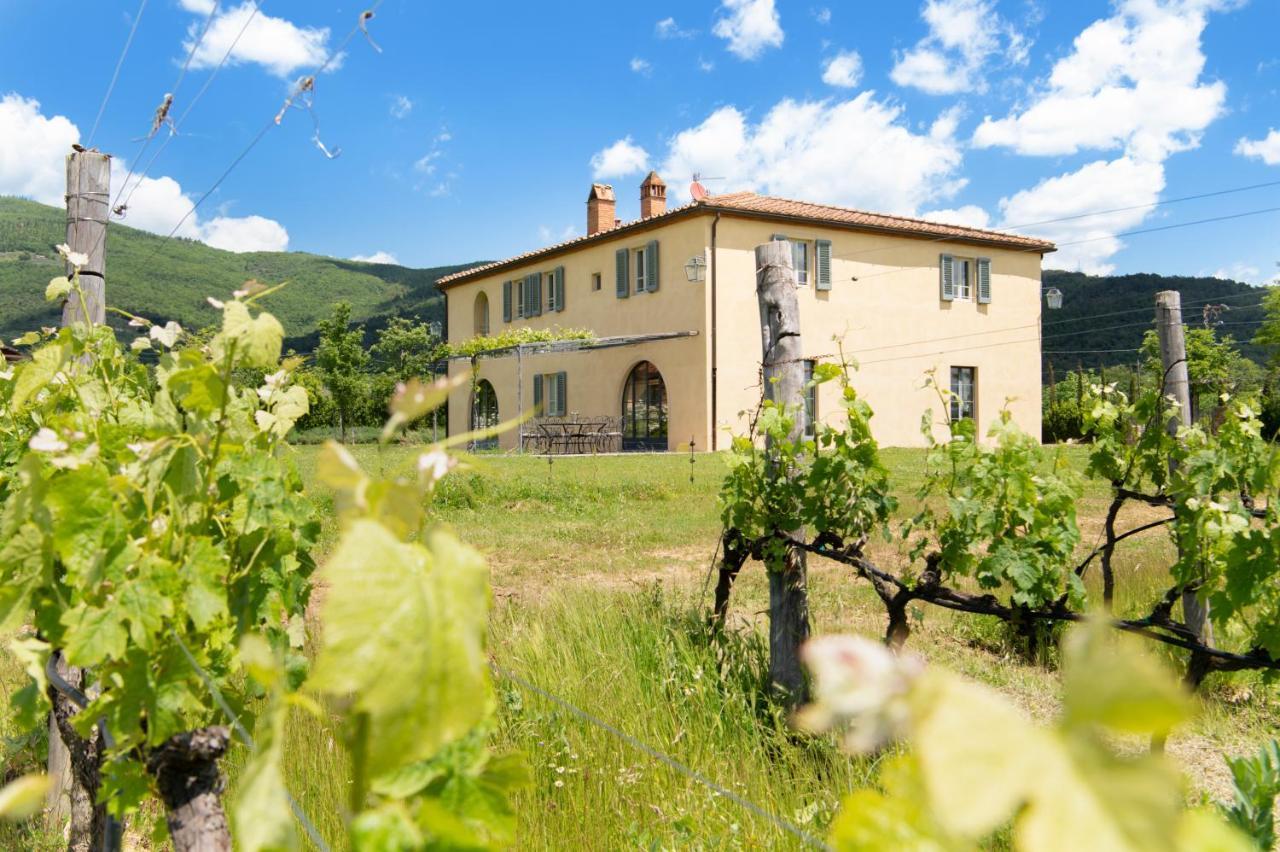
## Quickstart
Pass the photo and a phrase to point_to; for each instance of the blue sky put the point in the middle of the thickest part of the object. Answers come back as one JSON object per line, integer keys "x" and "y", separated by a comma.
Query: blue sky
{"x": 477, "y": 129}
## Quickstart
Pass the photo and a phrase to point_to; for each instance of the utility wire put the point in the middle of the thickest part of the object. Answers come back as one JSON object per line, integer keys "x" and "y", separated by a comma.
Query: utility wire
{"x": 1009, "y": 229}
{"x": 173, "y": 92}
{"x": 298, "y": 89}
{"x": 181, "y": 122}
{"x": 652, "y": 752}
{"x": 312, "y": 832}
{"x": 111, "y": 87}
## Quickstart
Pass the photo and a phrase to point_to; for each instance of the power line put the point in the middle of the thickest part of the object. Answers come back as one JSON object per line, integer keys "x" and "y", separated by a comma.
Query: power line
{"x": 173, "y": 92}
{"x": 652, "y": 752}
{"x": 1009, "y": 229}
{"x": 181, "y": 122}
{"x": 301, "y": 86}
{"x": 111, "y": 87}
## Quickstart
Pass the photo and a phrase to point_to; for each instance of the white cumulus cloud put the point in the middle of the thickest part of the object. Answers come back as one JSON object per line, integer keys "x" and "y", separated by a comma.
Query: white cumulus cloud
{"x": 1132, "y": 81}
{"x": 278, "y": 45}
{"x": 968, "y": 215}
{"x": 1103, "y": 185}
{"x": 843, "y": 70}
{"x": 750, "y": 26}
{"x": 1266, "y": 149}
{"x": 376, "y": 257}
{"x": 641, "y": 66}
{"x": 32, "y": 148}
{"x": 963, "y": 36}
{"x": 620, "y": 159}
{"x": 857, "y": 152}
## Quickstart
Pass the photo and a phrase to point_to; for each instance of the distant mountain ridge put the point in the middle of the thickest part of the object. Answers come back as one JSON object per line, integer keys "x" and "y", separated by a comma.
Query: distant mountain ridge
{"x": 172, "y": 279}
{"x": 1112, "y": 312}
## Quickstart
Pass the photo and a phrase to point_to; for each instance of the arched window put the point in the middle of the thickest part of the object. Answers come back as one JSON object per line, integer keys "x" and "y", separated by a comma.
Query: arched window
{"x": 644, "y": 410}
{"x": 484, "y": 413}
{"x": 482, "y": 315}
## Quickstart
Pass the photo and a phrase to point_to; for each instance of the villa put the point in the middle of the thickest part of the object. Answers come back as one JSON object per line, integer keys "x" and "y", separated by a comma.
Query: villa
{"x": 671, "y": 301}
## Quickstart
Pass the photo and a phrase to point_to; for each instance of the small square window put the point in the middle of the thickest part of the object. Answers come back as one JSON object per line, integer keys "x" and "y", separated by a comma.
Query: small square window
{"x": 595, "y": 281}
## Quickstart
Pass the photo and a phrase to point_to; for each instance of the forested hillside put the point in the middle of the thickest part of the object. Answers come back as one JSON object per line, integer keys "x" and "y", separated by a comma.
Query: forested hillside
{"x": 1101, "y": 299}
{"x": 171, "y": 279}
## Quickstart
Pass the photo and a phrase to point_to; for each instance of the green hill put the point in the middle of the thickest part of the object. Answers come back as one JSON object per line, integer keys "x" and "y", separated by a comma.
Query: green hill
{"x": 171, "y": 279}
{"x": 1091, "y": 319}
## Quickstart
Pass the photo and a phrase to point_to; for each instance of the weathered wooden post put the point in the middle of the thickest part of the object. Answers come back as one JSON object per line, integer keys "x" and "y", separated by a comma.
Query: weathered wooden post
{"x": 74, "y": 771}
{"x": 1173, "y": 357}
{"x": 783, "y": 363}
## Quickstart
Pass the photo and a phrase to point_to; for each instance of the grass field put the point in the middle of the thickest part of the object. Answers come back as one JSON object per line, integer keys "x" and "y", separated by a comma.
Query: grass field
{"x": 599, "y": 569}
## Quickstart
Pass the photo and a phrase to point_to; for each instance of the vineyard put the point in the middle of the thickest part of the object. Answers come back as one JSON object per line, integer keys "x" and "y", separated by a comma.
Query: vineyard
{"x": 294, "y": 646}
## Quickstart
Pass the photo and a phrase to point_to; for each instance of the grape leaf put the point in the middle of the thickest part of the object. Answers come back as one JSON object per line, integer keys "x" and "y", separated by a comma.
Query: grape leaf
{"x": 403, "y": 628}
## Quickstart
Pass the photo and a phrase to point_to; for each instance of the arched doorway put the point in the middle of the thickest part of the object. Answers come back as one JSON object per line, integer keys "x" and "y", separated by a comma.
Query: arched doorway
{"x": 484, "y": 414}
{"x": 482, "y": 315}
{"x": 644, "y": 410}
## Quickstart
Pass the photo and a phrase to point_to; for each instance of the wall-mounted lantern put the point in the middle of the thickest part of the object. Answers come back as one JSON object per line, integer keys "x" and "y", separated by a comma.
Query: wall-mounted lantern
{"x": 1053, "y": 298}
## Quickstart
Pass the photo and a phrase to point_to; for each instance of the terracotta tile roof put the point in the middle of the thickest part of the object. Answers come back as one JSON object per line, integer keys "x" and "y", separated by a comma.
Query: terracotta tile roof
{"x": 768, "y": 207}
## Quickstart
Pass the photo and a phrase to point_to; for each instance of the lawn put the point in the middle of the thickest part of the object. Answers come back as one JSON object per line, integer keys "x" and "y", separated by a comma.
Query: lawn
{"x": 600, "y": 569}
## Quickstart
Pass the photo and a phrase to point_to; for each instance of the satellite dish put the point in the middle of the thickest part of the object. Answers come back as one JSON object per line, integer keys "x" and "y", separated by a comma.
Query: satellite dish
{"x": 697, "y": 190}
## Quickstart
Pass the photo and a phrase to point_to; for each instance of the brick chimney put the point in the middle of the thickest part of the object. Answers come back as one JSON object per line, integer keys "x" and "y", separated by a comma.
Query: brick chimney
{"x": 600, "y": 209}
{"x": 653, "y": 196}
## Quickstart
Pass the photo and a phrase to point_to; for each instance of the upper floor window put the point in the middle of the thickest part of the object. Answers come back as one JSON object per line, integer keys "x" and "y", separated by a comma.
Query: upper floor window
{"x": 639, "y": 269}
{"x": 595, "y": 281}
{"x": 481, "y": 315}
{"x": 963, "y": 278}
{"x": 799, "y": 258}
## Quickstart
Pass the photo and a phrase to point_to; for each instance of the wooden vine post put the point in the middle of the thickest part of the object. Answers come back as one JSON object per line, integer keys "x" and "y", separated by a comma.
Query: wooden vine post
{"x": 783, "y": 371}
{"x": 1173, "y": 358}
{"x": 74, "y": 761}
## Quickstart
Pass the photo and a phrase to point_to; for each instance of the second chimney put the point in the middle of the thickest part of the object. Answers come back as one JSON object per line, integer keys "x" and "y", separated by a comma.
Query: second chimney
{"x": 653, "y": 196}
{"x": 600, "y": 209}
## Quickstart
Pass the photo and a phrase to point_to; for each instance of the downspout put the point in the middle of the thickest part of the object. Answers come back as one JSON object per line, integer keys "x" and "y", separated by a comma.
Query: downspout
{"x": 715, "y": 430}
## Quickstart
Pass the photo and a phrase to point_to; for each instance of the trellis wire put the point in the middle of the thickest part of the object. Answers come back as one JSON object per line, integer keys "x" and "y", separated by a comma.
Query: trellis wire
{"x": 312, "y": 832}
{"x": 652, "y": 752}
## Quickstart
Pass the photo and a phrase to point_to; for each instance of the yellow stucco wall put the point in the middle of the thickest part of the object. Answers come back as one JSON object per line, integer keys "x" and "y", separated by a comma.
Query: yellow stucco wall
{"x": 891, "y": 320}
{"x": 595, "y": 379}
{"x": 895, "y": 301}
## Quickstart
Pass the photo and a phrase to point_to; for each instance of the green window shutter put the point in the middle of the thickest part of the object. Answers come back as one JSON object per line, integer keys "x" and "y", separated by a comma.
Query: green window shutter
{"x": 623, "y": 289}
{"x": 551, "y": 291}
{"x": 559, "y": 295}
{"x": 984, "y": 280}
{"x": 537, "y": 394}
{"x": 822, "y": 248}
{"x": 537, "y": 294}
{"x": 506, "y": 301}
{"x": 947, "y": 274}
{"x": 562, "y": 402}
{"x": 651, "y": 266}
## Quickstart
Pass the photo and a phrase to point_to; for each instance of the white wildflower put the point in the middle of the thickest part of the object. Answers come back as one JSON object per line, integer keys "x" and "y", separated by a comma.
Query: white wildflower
{"x": 74, "y": 258}
{"x": 47, "y": 441}
{"x": 433, "y": 466}
{"x": 273, "y": 383}
{"x": 860, "y": 687}
{"x": 168, "y": 335}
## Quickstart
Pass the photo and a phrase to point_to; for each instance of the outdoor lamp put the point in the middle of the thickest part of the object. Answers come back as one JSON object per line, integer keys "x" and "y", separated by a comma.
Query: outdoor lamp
{"x": 1053, "y": 296}
{"x": 696, "y": 269}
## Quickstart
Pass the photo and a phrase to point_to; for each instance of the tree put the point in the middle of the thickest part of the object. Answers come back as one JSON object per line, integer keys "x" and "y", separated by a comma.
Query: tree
{"x": 408, "y": 349}
{"x": 341, "y": 357}
{"x": 1214, "y": 367}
